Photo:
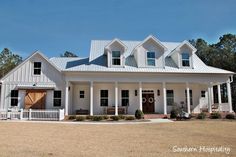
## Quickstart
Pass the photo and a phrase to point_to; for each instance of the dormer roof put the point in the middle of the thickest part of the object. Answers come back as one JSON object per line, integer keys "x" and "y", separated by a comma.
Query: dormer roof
{"x": 185, "y": 42}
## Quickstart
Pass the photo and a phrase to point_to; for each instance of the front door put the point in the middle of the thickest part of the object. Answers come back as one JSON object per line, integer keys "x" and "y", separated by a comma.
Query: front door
{"x": 148, "y": 102}
{"x": 35, "y": 99}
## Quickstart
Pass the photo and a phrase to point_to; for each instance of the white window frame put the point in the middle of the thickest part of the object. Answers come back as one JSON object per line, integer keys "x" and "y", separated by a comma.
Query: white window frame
{"x": 185, "y": 59}
{"x": 124, "y": 98}
{"x": 35, "y": 68}
{"x": 112, "y": 58}
{"x": 147, "y": 58}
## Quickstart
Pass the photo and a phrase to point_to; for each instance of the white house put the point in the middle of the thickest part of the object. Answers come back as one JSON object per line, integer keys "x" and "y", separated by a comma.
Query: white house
{"x": 119, "y": 77}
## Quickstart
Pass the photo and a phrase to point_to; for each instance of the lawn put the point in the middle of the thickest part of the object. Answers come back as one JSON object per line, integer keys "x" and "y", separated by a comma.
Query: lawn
{"x": 136, "y": 140}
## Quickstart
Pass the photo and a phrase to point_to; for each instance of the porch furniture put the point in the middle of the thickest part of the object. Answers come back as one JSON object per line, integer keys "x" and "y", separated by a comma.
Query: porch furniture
{"x": 215, "y": 107}
{"x": 111, "y": 110}
{"x": 82, "y": 112}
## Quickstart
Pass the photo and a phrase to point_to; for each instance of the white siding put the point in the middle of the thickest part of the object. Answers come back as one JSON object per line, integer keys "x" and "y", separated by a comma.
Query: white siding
{"x": 24, "y": 74}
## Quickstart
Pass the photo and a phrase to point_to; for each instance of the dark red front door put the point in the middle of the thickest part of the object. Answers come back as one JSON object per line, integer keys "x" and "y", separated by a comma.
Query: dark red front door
{"x": 148, "y": 103}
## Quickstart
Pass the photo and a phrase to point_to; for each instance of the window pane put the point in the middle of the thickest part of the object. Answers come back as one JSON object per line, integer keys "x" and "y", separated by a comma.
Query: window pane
{"x": 151, "y": 62}
{"x": 14, "y": 93}
{"x": 57, "y": 94}
{"x": 170, "y": 97}
{"x": 37, "y": 71}
{"x": 185, "y": 56}
{"x": 125, "y": 102}
{"x": 81, "y": 92}
{"x": 57, "y": 102}
{"x": 14, "y": 101}
{"x": 104, "y": 102}
{"x": 115, "y": 53}
{"x": 124, "y": 93}
{"x": 150, "y": 54}
{"x": 37, "y": 64}
{"x": 203, "y": 94}
{"x": 104, "y": 93}
{"x": 185, "y": 63}
{"x": 115, "y": 61}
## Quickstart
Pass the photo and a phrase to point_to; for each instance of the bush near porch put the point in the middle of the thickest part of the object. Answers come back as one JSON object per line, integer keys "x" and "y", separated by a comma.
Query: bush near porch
{"x": 100, "y": 118}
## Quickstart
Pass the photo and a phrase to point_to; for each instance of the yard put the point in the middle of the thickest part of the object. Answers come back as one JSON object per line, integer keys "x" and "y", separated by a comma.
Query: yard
{"x": 138, "y": 140}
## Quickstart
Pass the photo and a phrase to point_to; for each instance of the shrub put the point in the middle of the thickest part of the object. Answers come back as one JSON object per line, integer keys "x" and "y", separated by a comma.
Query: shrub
{"x": 105, "y": 117}
{"x": 80, "y": 118}
{"x": 97, "y": 118}
{"x": 89, "y": 117}
{"x": 139, "y": 114}
{"x": 129, "y": 118}
{"x": 71, "y": 117}
{"x": 215, "y": 115}
{"x": 115, "y": 118}
{"x": 201, "y": 115}
{"x": 230, "y": 116}
{"x": 121, "y": 117}
{"x": 173, "y": 113}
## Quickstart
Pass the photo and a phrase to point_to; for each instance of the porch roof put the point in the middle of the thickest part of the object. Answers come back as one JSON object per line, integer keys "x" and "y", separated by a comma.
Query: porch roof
{"x": 35, "y": 86}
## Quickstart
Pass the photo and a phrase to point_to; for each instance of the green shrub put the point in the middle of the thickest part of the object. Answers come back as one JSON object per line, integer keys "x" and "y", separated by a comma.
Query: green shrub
{"x": 115, "y": 118}
{"x": 105, "y": 117}
{"x": 97, "y": 118}
{"x": 121, "y": 117}
{"x": 230, "y": 116}
{"x": 89, "y": 117}
{"x": 80, "y": 118}
{"x": 71, "y": 117}
{"x": 201, "y": 115}
{"x": 215, "y": 115}
{"x": 139, "y": 114}
{"x": 129, "y": 118}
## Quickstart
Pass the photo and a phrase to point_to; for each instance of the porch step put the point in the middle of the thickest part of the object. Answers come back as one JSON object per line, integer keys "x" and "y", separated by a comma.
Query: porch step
{"x": 155, "y": 116}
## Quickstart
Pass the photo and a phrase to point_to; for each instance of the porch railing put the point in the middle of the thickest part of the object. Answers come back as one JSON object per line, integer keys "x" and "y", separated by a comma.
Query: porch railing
{"x": 33, "y": 114}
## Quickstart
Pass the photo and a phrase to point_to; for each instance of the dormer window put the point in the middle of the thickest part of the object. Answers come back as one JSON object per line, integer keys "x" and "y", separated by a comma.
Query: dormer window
{"x": 37, "y": 68}
{"x": 116, "y": 58}
{"x": 151, "y": 58}
{"x": 185, "y": 60}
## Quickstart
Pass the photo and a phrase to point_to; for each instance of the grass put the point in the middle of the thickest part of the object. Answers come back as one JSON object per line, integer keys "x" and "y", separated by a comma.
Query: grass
{"x": 137, "y": 140}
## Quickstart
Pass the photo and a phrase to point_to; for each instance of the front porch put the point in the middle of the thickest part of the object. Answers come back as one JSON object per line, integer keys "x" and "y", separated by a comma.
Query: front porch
{"x": 107, "y": 98}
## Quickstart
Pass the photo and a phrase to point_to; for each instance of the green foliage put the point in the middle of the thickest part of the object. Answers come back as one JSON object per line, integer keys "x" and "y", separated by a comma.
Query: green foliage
{"x": 121, "y": 117}
{"x": 97, "y": 118}
{"x": 80, "y": 118}
{"x": 115, "y": 118}
{"x": 201, "y": 115}
{"x": 105, "y": 117}
{"x": 230, "y": 116}
{"x": 89, "y": 117}
{"x": 8, "y": 61}
{"x": 139, "y": 114}
{"x": 129, "y": 118}
{"x": 215, "y": 115}
{"x": 69, "y": 54}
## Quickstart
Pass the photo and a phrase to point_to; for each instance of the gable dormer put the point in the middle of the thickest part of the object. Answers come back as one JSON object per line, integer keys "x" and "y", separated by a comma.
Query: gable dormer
{"x": 149, "y": 53}
{"x": 115, "y": 53}
{"x": 182, "y": 55}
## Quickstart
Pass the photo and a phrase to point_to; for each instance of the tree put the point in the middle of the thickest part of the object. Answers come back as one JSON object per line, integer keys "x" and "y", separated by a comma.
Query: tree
{"x": 69, "y": 54}
{"x": 221, "y": 54}
{"x": 8, "y": 61}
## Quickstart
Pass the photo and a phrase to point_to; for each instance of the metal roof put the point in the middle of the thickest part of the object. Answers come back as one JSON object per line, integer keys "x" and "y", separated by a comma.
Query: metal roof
{"x": 97, "y": 61}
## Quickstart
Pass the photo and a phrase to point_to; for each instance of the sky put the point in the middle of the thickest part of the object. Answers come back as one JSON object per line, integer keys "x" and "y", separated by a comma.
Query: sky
{"x": 56, "y": 26}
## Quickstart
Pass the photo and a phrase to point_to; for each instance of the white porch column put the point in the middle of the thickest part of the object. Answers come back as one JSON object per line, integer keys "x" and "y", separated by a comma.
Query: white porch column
{"x": 229, "y": 96}
{"x": 91, "y": 98}
{"x": 188, "y": 98}
{"x": 116, "y": 98}
{"x": 140, "y": 96}
{"x": 67, "y": 98}
{"x": 219, "y": 95}
{"x": 209, "y": 98}
{"x": 164, "y": 97}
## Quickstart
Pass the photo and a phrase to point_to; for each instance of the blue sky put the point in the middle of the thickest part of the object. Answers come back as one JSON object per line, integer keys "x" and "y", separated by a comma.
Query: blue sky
{"x": 54, "y": 26}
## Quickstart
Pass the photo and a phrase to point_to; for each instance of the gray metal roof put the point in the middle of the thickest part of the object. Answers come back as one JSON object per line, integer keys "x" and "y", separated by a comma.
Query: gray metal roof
{"x": 97, "y": 62}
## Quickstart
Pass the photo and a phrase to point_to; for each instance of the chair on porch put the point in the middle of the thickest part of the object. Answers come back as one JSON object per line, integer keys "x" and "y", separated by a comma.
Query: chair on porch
{"x": 215, "y": 107}
{"x": 110, "y": 110}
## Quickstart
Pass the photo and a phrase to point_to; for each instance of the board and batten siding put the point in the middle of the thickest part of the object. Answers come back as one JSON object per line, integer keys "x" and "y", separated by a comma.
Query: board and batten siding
{"x": 23, "y": 74}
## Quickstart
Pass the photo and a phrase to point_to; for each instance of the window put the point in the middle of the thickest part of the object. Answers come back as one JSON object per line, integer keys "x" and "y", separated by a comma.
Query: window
{"x": 14, "y": 97}
{"x": 57, "y": 98}
{"x": 215, "y": 94}
{"x": 151, "y": 58}
{"x": 170, "y": 97}
{"x": 125, "y": 97}
{"x": 115, "y": 57}
{"x": 191, "y": 96}
{"x": 37, "y": 68}
{"x": 224, "y": 95}
{"x": 81, "y": 94}
{"x": 104, "y": 97}
{"x": 185, "y": 59}
{"x": 203, "y": 94}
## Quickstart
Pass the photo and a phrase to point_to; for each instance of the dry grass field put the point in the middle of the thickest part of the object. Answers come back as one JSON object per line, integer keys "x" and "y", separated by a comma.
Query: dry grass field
{"x": 137, "y": 140}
